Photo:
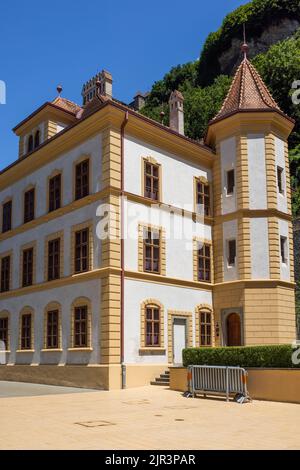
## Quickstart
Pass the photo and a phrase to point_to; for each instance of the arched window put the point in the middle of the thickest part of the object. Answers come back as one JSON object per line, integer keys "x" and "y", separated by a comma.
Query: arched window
{"x": 26, "y": 329}
{"x": 30, "y": 144}
{"x": 81, "y": 324}
{"x": 4, "y": 331}
{"x": 37, "y": 139}
{"x": 52, "y": 326}
{"x": 152, "y": 325}
{"x": 205, "y": 328}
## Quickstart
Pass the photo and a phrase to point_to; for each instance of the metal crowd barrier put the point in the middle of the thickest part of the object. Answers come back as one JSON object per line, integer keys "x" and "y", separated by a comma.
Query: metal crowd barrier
{"x": 218, "y": 380}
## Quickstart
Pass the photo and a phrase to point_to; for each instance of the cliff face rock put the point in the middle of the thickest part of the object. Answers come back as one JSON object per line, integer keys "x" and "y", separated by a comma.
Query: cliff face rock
{"x": 275, "y": 32}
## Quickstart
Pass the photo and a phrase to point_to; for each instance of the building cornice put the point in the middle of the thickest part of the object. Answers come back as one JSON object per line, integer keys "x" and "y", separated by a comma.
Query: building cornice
{"x": 109, "y": 114}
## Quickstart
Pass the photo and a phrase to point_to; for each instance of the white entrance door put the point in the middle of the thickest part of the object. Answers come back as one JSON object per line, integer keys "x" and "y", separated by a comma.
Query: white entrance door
{"x": 179, "y": 339}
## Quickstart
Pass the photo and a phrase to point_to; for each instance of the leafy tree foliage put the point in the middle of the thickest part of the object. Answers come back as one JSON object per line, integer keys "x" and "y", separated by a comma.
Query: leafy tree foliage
{"x": 279, "y": 68}
{"x": 202, "y": 104}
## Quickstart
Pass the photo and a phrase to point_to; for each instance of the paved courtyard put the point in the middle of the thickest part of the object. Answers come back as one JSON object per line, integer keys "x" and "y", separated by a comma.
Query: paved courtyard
{"x": 42, "y": 417}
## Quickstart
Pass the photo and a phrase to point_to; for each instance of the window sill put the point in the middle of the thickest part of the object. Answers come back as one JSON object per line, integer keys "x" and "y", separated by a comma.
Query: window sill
{"x": 25, "y": 351}
{"x": 6, "y": 351}
{"x": 80, "y": 349}
{"x": 52, "y": 350}
{"x": 152, "y": 351}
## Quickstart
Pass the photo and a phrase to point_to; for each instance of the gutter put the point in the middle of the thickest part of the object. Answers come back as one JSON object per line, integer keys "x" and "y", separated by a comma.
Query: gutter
{"x": 123, "y": 366}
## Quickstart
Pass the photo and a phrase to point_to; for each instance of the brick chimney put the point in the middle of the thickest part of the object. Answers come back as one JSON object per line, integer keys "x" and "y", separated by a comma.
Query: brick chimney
{"x": 89, "y": 89}
{"x": 176, "y": 112}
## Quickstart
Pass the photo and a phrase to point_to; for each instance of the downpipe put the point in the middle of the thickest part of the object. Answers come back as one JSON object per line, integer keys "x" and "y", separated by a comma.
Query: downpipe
{"x": 123, "y": 365}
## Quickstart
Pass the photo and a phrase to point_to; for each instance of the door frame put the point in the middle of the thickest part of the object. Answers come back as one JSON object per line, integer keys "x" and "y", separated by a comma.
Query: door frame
{"x": 188, "y": 316}
{"x": 224, "y": 315}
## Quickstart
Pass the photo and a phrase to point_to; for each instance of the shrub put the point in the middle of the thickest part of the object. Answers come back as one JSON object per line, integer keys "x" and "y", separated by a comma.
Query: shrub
{"x": 278, "y": 356}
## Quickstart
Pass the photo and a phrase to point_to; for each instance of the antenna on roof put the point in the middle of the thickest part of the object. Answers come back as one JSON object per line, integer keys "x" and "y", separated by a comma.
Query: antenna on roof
{"x": 245, "y": 47}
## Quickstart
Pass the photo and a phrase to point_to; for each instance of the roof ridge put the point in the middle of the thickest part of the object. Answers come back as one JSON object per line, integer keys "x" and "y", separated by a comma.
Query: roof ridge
{"x": 261, "y": 85}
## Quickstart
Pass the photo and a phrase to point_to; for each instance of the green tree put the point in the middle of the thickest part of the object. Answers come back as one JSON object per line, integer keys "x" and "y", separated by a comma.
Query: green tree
{"x": 279, "y": 68}
{"x": 202, "y": 104}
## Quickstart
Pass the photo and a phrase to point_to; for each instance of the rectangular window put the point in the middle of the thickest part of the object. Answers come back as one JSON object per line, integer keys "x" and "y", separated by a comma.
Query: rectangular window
{"x": 55, "y": 193}
{"x": 81, "y": 327}
{"x": 203, "y": 196}
{"x": 82, "y": 251}
{"x": 27, "y": 268}
{"x": 151, "y": 251}
{"x": 5, "y": 274}
{"x": 4, "y": 331}
{"x": 151, "y": 175}
{"x": 26, "y": 332}
{"x": 82, "y": 180}
{"x": 6, "y": 216}
{"x": 204, "y": 262}
{"x": 152, "y": 326}
{"x": 231, "y": 257}
{"x": 283, "y": 250}
{"x": 29, "y": 205}
{"x": 280, "y": 180}
{"x": 230, "y": 181}
{"x": 205, "y": 329}
{"x": 53, "y": 259}
{"x": 52, "y": 329}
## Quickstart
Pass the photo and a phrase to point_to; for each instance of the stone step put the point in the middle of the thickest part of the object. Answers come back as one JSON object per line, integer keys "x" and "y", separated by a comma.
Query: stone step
{"x": 158, "y": 383}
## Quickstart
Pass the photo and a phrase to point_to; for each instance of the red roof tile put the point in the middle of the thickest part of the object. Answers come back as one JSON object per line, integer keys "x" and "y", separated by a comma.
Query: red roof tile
{"x": 248, "y": 91}
{"x": 66, "y": 105}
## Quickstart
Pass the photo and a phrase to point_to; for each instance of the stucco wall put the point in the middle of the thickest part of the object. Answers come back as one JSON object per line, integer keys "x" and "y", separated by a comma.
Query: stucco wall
{"x": 39, "y": 234}
{"x": 285, "y": 273}
{"x": 228, "y": 162}
{"x": 172, "y": 298}
{"x": 180, "y": 232}
{"x": 38, "y": 301}
{"x": 257, "y": 172}
{"x": 177, "y": 173}
{"x": 259, "y": 236}
{"x": 230, "y": 232}
{"x": 39, "y": 178}
{"x": 280, "y": 161}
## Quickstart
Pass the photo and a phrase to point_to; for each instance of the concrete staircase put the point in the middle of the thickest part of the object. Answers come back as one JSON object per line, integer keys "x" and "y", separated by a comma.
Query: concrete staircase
{"x": 163, "y": 380}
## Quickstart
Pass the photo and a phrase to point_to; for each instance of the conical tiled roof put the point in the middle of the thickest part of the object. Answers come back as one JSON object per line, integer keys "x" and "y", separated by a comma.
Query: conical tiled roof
{"x": 247, "y": 92}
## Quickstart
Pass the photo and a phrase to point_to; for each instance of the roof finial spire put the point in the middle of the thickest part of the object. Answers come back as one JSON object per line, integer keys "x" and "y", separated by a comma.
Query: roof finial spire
{"x": 245, "y": 47}
{"x": 59, "y": 90}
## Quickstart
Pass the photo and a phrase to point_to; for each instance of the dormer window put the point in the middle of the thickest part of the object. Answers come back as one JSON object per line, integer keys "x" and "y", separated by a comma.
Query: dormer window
{"x": 37, "y": 139}
{"x": 30, "y": 144}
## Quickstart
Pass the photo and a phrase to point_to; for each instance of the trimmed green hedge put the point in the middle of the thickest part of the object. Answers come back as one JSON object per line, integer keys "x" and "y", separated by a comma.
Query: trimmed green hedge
{"x": 250, "y": 356}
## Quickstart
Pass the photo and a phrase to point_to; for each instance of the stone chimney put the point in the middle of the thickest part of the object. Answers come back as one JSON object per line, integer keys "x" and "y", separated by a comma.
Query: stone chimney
{"x": 176, "y": 112}
{"x": 139, "y": 101}
{"x": 89, "y": 89}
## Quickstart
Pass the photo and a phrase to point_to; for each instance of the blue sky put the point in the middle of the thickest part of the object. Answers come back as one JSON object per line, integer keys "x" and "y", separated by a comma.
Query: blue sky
{"x": 68, "y": 41}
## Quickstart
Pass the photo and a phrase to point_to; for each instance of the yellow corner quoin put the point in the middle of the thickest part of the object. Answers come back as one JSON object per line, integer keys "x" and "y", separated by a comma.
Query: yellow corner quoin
{"x": 115, "y": 318}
